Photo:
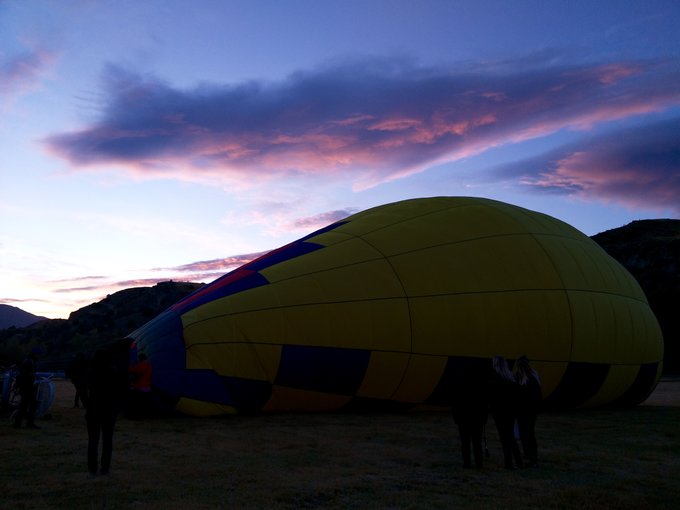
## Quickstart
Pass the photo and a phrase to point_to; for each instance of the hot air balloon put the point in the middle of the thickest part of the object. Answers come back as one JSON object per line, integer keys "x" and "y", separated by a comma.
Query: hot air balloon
{"x": 382, "y": 309}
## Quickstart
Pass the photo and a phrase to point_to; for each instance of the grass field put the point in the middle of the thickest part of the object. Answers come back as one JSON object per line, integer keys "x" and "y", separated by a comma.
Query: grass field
{"x": 589, "y": 459}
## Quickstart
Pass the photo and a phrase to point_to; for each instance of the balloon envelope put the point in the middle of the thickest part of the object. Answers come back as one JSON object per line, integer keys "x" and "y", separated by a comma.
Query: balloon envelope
{"x": 383, "y": 309}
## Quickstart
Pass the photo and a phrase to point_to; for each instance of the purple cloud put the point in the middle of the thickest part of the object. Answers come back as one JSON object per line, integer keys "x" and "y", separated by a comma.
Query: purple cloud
{"x": 639, "y": 167}
{"x": 81, "y": 278}
{"x": 223, "y": 264}
{"x": 200, "y": 271}
{"x": 381, "y": 119}
{"x": 123, "y": 284}
{"x": 21, "y": 72}
{"x": 7, "y": 301}
{"x": 321, "y": 220}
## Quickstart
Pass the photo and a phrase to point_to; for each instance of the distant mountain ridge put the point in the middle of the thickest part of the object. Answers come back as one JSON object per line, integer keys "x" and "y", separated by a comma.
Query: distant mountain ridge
{"x": 11, "y": 316}
{"x": 648, "y": 249}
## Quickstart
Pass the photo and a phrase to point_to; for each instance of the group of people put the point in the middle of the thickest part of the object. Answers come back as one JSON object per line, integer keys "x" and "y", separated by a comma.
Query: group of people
{"x": 512, "y": 398}
{"x": 104, "y": 385}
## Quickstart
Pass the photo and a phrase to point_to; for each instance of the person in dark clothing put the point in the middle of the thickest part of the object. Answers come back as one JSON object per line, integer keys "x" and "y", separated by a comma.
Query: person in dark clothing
{"x": 105, "y": 390}
{"x": 470, "y": 409}
{"x": 529, "y": 399}
{"x": 25, "y": 381}
{"x": 77, "y": 373}
{"x": 503, "y": 394}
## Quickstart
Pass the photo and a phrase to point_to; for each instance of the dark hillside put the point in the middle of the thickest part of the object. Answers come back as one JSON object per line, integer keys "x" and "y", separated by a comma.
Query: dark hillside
{"x": 11, "y": 316}
{"x": 92, "y": 326}
{"x": 650, "y": 250}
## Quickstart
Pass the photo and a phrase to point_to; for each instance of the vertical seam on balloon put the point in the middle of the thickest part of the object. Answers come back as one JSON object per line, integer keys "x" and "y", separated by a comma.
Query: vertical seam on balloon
{"x": 534, "y": 236}
{"x": 405, "y": 297}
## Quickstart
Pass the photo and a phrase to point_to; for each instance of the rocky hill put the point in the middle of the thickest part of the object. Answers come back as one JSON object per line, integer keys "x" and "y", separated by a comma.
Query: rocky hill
{"x": 92, "y": 326}
{"x": 650, "y": 250}
{"x": 13, "y": 316}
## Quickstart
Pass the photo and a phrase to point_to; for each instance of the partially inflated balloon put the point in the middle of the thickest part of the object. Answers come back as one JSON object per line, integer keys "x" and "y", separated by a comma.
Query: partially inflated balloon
{"x": 382, "y": 310}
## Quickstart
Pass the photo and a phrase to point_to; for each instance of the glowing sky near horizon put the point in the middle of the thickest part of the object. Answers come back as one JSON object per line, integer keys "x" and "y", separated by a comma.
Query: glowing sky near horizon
{"x": 156, "y": 140}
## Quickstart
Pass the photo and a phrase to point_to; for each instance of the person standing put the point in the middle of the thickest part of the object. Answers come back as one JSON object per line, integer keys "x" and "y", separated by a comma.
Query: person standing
{"x": 77, "y": 372}
{"x": 529, "y": 399}
{"x": 470, "y": 409}
{"x": 504, "y": 390}
{"x": 25, "y": 381}
{"x": 104, "y": 396}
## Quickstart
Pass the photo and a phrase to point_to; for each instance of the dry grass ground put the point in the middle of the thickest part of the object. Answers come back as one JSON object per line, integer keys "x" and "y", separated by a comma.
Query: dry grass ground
{"x": 595, "y": 459}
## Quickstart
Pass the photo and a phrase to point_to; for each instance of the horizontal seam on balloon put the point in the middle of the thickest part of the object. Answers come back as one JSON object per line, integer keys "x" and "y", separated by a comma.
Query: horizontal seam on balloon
{"x": 394, "y": 298}
{"x": 407, "y": 252}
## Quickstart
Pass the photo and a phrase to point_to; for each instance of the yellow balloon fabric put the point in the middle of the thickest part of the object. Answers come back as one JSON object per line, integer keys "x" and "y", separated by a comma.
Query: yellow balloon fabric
{"x": 383, "y": 309}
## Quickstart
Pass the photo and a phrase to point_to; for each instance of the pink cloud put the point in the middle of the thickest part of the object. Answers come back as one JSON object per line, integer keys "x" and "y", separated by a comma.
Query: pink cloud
{"x": 321, "y": 220}
{"x": 8, "y": 301}
{"x": 110, "y": 287}
{"x": 201, "y": 271}
{"x": 638, "y": 167}
{"x": 20, "y": 73}
{"x": 223, "y": 264}
{"x": 354, "y": 120}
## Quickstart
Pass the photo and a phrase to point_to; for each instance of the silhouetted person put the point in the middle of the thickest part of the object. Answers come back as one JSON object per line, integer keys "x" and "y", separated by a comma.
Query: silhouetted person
{"x": 503, "y": 395}
{"x": 28, "y": 390}
{"x": 140, "y": 397}
{"x": 470, "y": 409}
{"x": 104, "y": 397}
{"x": 120, "y": 354}
{"x": 529, "y": 399}
{"x": 77, "y": 373}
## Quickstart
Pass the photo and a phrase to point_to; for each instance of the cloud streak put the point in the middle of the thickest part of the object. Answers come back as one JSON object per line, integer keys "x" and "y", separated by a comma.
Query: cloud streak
{"x": 223, "y": 264}
{"x": 638, "y": 167}
{"x": 20, "y": 73}
{"x": 201, "y": 271}
{"x": 373, "y": 121}
{"x": 321, "y": 220}
{"x": 122, "y": 284}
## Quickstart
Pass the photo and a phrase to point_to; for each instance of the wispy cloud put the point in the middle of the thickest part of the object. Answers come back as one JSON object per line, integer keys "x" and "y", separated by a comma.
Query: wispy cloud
{"x": 638, "y": 167}
{"x": 22, "y": 72}
{"x": 373, "y": 121}
{"x": 201, "y": 271}
{"x": 83, "y": 290}
{"x": 13, "y": 301}
{"x": 80, "y": 278}
{"x": 277, "y": 217}
{"x": 321, "y": 220}
{"x": 224, "y": 264}
{"x": 108, "y": 287}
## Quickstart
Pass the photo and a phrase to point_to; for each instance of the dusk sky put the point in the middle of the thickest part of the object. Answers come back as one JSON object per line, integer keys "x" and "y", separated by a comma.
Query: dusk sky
{"x": 143, "y": 141}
